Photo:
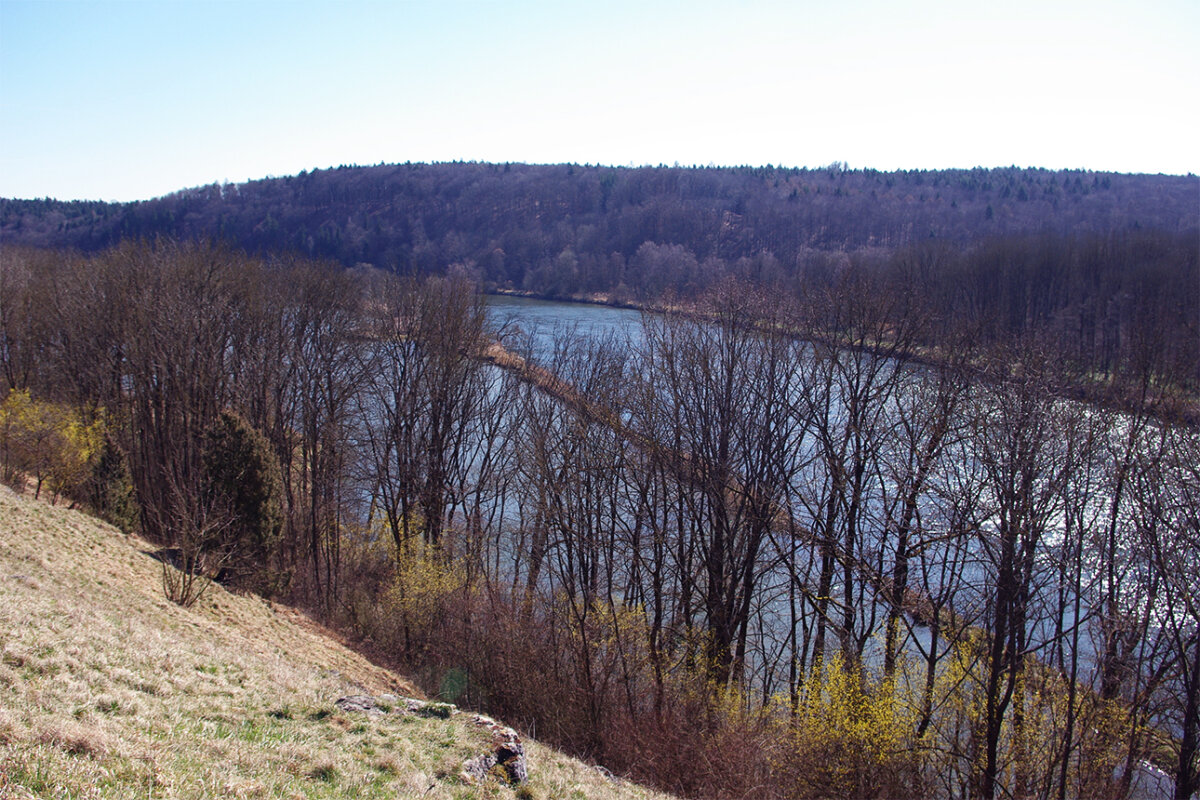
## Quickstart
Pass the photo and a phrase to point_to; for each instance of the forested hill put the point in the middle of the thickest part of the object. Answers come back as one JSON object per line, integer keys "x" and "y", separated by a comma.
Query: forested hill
{"x": 566, "y": 228}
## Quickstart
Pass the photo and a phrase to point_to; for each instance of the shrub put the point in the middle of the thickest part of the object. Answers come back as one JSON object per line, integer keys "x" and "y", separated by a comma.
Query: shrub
{"x": 242, "y": 475}
{"x": 48, "y": 442}
{"x": 199, "y": 528}
{"x": 849, "y": 739}
{"x": 426, "y": 579}
{"x": 112, "y": 493}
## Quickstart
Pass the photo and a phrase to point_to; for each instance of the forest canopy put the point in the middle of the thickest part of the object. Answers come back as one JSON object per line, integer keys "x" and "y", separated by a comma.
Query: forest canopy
{"x": 512, "y": 222}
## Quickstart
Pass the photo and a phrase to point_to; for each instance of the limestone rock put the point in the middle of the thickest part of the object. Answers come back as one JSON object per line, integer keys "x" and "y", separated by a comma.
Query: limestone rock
{"x": 506, "y": 760}
{"x": 361, "y": 703}
{"x": 391, "y": 704}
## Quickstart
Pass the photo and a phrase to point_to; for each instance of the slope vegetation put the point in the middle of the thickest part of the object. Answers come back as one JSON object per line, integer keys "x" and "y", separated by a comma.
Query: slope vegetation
{"x": 109, "y": 690}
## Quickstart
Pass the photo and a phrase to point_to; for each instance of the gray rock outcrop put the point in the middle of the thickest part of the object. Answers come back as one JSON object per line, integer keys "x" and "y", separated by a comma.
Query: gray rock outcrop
{"x": 504, "y": 760}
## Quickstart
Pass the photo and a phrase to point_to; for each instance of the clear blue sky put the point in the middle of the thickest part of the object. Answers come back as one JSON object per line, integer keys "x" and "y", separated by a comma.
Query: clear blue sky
{"x": 131, "y": 100}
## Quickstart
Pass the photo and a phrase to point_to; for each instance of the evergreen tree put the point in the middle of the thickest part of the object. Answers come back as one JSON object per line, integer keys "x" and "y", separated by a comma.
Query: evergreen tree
{"x": 113, "y": 495}
{"x": 243, "y": 475}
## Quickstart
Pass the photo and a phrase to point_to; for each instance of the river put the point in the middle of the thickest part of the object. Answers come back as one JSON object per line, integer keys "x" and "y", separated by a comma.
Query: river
{"x": 521, "y": 319}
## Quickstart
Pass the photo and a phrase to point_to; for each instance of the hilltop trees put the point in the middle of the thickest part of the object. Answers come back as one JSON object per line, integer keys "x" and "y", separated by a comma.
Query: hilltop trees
{"x": 418, "y": 215}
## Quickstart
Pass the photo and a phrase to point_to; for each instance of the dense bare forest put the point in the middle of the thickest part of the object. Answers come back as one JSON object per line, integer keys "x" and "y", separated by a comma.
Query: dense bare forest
{"x": 1105, "y": 264}
{"x": 767, "y": 547}
{"x": 516, "y": 219}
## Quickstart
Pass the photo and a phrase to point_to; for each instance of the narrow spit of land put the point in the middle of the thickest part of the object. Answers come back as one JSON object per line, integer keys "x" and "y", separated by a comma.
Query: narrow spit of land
{"x": 686, "y": 467}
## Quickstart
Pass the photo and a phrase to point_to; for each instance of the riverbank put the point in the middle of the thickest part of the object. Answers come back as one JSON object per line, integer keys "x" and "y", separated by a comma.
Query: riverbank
{"x": 1172, "y": 406}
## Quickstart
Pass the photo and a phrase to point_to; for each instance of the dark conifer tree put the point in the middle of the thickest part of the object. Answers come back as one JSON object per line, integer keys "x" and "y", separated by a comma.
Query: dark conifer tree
{"x": 242, "y": 474}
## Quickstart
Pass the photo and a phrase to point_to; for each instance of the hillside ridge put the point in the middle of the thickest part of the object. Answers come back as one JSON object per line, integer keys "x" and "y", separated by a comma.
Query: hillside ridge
{"x": 512, "y": 222}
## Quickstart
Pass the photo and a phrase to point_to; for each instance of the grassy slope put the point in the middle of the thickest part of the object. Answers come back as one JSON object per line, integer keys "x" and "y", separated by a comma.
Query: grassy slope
{"x": 108, "y": 690}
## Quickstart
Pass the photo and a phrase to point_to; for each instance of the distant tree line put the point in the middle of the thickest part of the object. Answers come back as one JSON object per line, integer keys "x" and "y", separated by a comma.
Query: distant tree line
{"x": 1105, "y": 263}
{"x": 755, "y": 549}
{"x": 512, "y": 219}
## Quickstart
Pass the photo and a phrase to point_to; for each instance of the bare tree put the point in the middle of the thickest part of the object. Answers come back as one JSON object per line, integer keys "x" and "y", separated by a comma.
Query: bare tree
{"x": 426, "y": 401}
{"x": 718, "y": 415}
{"x": 1021, "y": 440}
{"x": 1168, "y": 491}
{"x": 847, "y": 394}
{"x": 317, "y": 474}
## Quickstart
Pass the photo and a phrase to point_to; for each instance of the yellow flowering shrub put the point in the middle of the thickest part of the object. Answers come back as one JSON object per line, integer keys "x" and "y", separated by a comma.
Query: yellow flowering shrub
{"x": 47, "y": 443}
{"x": 1033, "y": 736}
{"x": 847, "y": 737}
{"x": 424, "y": 581}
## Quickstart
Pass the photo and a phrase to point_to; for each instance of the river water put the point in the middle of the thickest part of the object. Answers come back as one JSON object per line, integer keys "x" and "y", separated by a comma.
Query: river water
{"x": 525, "y": 322}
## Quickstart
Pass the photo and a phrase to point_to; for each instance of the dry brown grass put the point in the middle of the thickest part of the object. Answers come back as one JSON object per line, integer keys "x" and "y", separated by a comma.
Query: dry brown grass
{"x": 107, "y": 690}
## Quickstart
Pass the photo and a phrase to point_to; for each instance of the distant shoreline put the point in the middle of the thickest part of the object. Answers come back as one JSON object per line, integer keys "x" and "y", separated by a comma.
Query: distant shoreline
{"x": 1186, "y": 411}
{"x": 594, "y": 299}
